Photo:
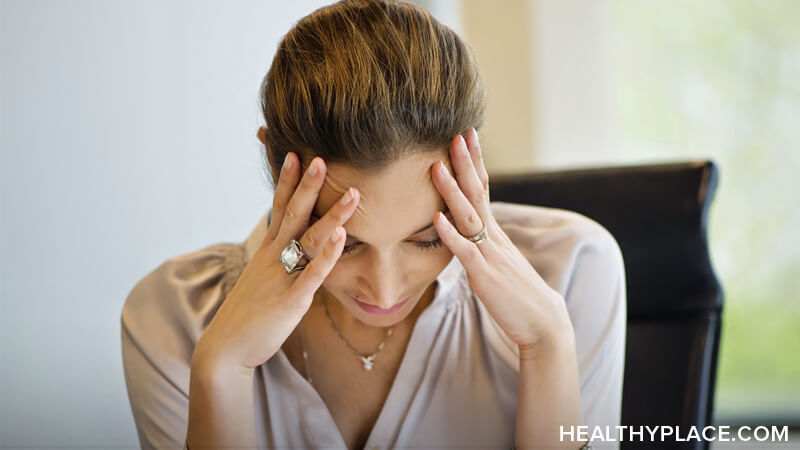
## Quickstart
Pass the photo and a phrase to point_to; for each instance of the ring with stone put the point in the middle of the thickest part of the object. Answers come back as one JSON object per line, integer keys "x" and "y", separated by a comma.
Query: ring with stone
{"x": 291, "y": 256}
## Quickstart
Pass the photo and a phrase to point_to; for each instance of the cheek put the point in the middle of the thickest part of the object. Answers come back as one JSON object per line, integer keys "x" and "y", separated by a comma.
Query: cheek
{"x": 337, "y": 275}
{"x": 427, "y": 267}
{"x": 442, "y": 254}
{"x": 344, "y": 275}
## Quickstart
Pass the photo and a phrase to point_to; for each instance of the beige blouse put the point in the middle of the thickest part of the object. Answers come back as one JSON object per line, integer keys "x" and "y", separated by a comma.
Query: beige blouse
{"x": 457, "y": 383}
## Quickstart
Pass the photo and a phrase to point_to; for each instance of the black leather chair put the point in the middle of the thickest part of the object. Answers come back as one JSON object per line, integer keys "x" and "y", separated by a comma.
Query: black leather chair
{"x": 658, "y": 214}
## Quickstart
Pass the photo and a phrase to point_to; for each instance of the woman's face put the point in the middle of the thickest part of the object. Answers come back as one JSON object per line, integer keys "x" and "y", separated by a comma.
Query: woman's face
{"x": 392, "y": 253}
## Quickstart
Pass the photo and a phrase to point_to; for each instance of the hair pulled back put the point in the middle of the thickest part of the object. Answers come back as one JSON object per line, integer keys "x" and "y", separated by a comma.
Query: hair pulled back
{"x": 365, "y": 82}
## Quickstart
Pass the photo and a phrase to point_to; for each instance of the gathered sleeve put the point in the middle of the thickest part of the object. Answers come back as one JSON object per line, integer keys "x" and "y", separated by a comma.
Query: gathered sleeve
{"x": 162, "y": 319}
{"x": 580, "y": 259}
{"x": 596, "y": 300}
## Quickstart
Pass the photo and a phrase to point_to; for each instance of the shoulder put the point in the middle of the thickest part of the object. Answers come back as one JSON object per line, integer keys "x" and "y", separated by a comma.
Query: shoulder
{"x": 560, "y": 244}
{"x": 582, "y": 260}
{"x": 169, "y": 308}
{"x": 162, "y": 318}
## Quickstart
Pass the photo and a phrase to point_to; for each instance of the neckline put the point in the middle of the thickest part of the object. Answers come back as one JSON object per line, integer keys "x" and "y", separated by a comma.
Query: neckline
{"x": 409, "y": 373}
{"x": 411, "y": 370}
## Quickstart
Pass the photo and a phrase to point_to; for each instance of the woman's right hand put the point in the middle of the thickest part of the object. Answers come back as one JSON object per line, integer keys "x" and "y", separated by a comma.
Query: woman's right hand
{"x": 266, "y": 303}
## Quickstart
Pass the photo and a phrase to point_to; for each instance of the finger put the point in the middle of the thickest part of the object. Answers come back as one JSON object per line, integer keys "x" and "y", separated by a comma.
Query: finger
{"x": 312, "y": 276}
{"x": 467, "y": 177}
{"x": 477, "y": 158}
{"x": 467, "y": 252}
{"x": 298, "y": 210}
{"x": 287, "y": 182}
{"x": 467, "y": 220}
{"x": 318, "y": 233}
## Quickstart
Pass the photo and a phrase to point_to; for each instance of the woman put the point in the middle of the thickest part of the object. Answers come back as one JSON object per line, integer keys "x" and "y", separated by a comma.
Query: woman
{"x": 382, "y": 301}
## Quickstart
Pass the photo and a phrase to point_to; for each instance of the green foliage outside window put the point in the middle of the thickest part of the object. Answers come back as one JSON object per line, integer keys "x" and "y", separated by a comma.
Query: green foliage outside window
{"x": 721, "y": 79}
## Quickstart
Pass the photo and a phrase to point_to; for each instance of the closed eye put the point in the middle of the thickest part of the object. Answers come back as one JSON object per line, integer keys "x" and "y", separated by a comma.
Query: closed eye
{"x": 423, "y": 245}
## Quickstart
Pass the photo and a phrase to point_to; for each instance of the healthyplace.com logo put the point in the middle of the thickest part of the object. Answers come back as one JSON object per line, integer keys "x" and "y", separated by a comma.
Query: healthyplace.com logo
{"x": 661, "y": 433}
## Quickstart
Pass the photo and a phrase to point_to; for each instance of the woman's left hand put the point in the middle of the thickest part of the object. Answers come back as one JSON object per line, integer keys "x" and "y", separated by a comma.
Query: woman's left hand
{"x": 517, "y": 297}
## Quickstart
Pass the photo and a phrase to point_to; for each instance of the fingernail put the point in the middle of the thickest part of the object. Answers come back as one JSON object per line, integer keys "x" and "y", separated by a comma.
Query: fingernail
{"x": 314, "y": 168}
{"x": 337, "y": 234}
{"x": 462, "y": 144}
{"x": 287, "y": 162}
{"x": 475, "y": 139}
{"x": 443, "y": 169}
{"x": 347, "y": 197}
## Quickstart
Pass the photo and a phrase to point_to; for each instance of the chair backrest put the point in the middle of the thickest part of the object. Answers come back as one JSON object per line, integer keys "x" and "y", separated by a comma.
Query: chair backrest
{"x": 658, "y": 214}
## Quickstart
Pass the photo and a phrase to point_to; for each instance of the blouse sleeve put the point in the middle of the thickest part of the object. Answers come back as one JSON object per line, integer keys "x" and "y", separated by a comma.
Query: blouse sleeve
{"x": 581, "y": 260}
{"x": 162, "y": 318}
{"x": 596, "y": 300}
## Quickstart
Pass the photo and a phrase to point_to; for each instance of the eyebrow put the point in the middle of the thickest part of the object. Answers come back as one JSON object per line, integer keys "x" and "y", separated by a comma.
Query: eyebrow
{"x": 445, "y": 211}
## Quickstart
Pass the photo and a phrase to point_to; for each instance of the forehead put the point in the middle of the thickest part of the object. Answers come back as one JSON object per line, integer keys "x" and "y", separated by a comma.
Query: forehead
{"x": 398, "y": 198}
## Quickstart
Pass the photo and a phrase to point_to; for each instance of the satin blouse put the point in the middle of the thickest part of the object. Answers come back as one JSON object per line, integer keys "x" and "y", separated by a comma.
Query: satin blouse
{"x": 456, "y": 386}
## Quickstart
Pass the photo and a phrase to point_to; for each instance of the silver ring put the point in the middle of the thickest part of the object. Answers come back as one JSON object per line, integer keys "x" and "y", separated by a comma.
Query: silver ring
{"x": 291, "y": 256}
{"x": 480, "y": 237}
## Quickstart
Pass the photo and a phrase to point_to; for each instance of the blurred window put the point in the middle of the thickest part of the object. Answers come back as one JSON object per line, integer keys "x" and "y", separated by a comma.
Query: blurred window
{"x": 722, "y": 79}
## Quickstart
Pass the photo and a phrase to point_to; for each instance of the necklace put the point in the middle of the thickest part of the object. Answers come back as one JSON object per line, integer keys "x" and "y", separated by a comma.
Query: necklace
{"x": 305, "y": 355}
{"x": 367, "y": 360}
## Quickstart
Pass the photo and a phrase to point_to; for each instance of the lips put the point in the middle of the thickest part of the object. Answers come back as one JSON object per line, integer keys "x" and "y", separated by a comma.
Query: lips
{"x": 372, "y": 309}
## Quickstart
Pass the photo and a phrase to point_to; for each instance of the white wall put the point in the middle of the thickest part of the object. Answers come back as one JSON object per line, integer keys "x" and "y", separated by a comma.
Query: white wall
{"x": 128, "y": 136}
{"x": 575, "y": 101}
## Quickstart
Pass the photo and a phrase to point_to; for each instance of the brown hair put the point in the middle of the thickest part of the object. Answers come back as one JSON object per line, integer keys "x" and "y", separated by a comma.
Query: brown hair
{"x": 364, "y": 82}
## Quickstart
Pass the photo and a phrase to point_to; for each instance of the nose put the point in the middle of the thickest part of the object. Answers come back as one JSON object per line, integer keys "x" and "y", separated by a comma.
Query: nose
{"x": 383, "y": 278}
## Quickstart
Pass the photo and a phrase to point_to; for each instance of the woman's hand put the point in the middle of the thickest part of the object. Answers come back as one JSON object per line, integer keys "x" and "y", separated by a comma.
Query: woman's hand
{"x": 520, "y": 301}
{"x": 266, "y": 303}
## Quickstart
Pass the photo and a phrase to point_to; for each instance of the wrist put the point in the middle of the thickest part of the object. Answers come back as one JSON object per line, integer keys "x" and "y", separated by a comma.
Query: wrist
{"x": 210, "y": 363}
{"x": 554, "y": 344}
